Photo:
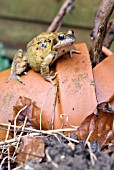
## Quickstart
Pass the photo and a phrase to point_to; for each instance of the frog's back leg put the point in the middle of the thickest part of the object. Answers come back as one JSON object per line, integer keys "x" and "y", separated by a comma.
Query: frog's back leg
{"x": 19, "y": 65}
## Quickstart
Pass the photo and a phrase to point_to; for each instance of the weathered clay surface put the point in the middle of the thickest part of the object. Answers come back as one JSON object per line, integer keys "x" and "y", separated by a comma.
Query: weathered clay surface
{"x": 77, "y": 95}
{"x": 76, "y": 98}
{"x": 104, "y": 79}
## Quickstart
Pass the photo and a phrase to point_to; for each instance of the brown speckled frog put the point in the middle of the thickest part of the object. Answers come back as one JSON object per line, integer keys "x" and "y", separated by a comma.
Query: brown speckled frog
{"x": 42, "y": 51}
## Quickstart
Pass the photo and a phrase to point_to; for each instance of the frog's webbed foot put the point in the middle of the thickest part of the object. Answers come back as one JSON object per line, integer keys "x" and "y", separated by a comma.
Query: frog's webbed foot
{"x": 74, "y": 51}
{"x": 45, "y": 73}
{"x": 47, "y": 76}
{"x": 18, "y": 66}
{"x": 53, "y": 77}
{"x": 50, "y": 78}
{"x": 15, "y": 77}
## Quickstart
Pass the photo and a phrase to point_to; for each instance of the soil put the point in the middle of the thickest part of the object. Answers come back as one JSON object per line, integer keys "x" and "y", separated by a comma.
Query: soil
{"x": 71, "y": 157}
{"x": 64, "y": 155}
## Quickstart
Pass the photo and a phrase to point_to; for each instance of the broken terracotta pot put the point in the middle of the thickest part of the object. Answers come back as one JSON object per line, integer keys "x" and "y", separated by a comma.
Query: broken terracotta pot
{"x": 104, "y": 80}
{"x": 76, "y": 93}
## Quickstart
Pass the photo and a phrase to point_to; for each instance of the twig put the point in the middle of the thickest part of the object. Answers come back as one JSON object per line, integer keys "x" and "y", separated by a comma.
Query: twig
{"x": 99, "y": 31}
{"x": 8, "y": 158}
{"x": 101, "y": 13}
{"x": 8, "y": 141}
{"x": 53, "y": 115}
{"x": 34, "y": 133}
{"x": 7, "y": 134}
{"x": 91, "y": 154}
{"x": 113, "y": 125}
{"x": 15, "y": 121}
{"x": 50, "y": 160}
{"x": 72, "y": 140}
{"x": 109, "y": 38}
{"x": 42, "y": 107}
{"x": 19, "y": 138}
{"x": 88, "y": 137}
{"x": 18, "y": 168}
{"x": 68, "y": 138}
{"x": 67, "y": 6}
{"x": 3, "y": 160}
{"x": 40, "y": 131}
{"x": 66, "y": 122}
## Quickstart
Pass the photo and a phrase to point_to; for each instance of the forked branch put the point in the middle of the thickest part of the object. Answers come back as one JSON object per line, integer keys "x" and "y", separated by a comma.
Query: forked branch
{"x": 99, "y": 32}
{"x": 67, "y": 7}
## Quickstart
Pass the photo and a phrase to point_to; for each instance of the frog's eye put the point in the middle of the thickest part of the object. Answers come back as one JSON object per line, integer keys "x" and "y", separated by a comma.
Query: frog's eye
{"x": 61, "y": 37}
{"x": 70, "y": 32}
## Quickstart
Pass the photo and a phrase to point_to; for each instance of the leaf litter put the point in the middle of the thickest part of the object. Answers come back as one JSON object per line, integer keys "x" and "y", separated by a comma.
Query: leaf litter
{"x": 51, "y": 149}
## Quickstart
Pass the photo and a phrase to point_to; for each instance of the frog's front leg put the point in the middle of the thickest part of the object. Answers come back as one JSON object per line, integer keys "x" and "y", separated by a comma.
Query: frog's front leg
{"x": 74, "y": 51}
{"x": 19, "y": 65}
{"x": 44, "y": 70}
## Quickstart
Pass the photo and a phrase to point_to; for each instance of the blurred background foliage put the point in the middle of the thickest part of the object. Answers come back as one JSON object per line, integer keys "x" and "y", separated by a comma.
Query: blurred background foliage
{"x": 21, "y": 20}
{"x": 5, "y": 62}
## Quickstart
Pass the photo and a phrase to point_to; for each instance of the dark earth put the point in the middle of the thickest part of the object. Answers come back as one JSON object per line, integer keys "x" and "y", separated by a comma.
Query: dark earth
{"x": 65, "y": 158}
{"x": 69, "y": 157}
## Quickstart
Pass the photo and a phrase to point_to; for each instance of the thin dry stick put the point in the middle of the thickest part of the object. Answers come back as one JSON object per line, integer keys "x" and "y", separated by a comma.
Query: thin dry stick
{"x": 18, "y": 168}
{"x": 16, "y": 119}
{"x": 56, "y": 23}
{"x": 42, "y": 107}
{"x": 7, "y": 134}
{"x": 3, "y": 160}
{"x": 113, "y": 125}
{"x": 56, "y": 136}
{"x": 8, "y": 158}
{"x": 13, "y": 142}
{"x": 90, "y": 133}
{"x": 91, "y": 154}
{"x": 53, "y": 115}
{"x": 50, "y": 160}
{"x": 72, "y": 140}
{"x": 8, "y": 142}
{"x": 40, "y": 131}
{"x": 19, "y": 138}
{"x": 6, "y": 146}
{"x": 66, "y": 122}
{"x": 68, "y": 138}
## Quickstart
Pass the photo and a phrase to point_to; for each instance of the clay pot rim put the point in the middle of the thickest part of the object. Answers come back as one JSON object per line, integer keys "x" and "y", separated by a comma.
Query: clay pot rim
{"x": 106, "y": 51}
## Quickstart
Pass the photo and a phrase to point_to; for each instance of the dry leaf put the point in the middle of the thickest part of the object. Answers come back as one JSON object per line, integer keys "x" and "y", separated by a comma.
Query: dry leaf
{"x": 109, "y": 137}
{"x": 99, "y": 126}
{"x": 30, "y": 148}
{"x": 31, "y": 111}
{"x": 109, "y": 150}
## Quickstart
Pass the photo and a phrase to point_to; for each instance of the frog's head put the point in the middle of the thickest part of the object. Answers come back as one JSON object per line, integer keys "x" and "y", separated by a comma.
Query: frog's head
{"x": 64, "y": 39}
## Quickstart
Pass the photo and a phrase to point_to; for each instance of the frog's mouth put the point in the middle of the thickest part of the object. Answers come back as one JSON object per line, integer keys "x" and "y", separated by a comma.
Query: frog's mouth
{"x": 69, "y": 41}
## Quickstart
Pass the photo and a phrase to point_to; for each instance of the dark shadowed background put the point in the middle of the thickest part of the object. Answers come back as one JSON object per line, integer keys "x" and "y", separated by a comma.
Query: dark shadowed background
{"x": 21, "y": 20}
